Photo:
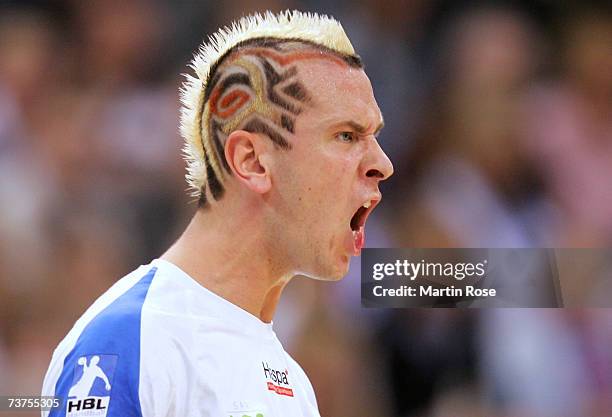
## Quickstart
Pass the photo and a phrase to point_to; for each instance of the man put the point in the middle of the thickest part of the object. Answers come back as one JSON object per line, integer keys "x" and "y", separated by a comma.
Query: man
{"x": 280, "y": 127}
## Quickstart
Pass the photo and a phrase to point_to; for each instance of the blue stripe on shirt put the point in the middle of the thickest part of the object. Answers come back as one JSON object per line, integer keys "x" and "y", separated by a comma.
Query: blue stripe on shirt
{"x": 107, "y": 349}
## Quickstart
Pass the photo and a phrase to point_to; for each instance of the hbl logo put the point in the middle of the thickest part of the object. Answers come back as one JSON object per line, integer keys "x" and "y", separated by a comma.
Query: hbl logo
{"x": 90, "y": 392}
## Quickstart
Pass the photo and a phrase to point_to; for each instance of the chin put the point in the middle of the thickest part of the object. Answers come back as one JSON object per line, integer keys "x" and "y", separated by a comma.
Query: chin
{"x": 332, "y": 271}
{"x": 344, "y": 268}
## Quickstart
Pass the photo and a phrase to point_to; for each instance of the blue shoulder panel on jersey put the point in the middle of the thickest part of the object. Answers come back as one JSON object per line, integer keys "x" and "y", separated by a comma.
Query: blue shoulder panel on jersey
{"x": 101, "y": 374}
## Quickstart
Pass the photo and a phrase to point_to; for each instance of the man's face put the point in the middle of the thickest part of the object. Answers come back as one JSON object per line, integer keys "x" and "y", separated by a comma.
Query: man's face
{"x": 332, "y": 170}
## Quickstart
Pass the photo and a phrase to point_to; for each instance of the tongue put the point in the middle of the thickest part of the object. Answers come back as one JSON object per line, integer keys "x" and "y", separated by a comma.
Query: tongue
{"x": 358, "y": 240}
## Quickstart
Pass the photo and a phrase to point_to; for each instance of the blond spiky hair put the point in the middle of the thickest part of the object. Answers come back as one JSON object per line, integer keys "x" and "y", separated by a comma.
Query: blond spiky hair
{"x": 291, "y": 25}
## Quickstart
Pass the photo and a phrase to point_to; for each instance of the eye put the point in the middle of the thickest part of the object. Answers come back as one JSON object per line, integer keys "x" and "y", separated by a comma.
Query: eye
{"x": 347, "y": 137}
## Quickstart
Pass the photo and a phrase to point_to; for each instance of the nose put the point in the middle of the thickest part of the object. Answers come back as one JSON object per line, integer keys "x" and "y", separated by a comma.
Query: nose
{"x": 377, "y": 164}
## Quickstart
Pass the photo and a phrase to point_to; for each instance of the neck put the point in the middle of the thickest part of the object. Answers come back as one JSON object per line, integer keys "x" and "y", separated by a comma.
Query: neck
{"x": 227, "y": 252}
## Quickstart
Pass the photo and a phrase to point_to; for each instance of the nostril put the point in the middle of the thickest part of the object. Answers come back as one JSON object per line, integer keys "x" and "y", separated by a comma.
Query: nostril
{"x": 374, "y": 173}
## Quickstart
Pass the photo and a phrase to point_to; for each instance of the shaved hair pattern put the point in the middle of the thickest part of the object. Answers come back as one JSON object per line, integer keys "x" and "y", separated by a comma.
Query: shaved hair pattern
{"x": 248, "y": 79}
{"x": 256, "y": 88}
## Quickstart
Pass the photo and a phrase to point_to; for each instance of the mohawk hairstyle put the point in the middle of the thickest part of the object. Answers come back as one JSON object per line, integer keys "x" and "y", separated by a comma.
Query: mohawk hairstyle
{"x": 245, "y": 79}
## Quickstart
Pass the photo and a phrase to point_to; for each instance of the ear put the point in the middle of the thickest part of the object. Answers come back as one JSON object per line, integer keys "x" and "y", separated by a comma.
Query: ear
{"x": 243, "y": 152}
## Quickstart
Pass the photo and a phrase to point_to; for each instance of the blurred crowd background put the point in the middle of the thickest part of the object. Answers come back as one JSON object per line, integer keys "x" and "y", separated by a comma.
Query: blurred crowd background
{"x": 498, "y": 121}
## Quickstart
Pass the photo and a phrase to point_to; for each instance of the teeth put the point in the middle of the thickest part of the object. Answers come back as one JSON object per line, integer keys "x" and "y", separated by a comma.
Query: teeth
{"x": 367, "y": 204}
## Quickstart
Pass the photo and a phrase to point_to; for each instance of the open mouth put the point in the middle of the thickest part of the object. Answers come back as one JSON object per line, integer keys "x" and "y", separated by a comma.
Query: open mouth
{"x": 359, "y": 218}
{"x": 361, "y": 215}
{"x": 358, "y": 225}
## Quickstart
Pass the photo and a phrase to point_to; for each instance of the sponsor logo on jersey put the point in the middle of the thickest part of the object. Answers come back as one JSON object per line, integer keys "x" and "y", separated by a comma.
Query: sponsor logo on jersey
{"x": 277, "y": 381}
{"x": 241, "y": 408}
{"x": 90, "y": 393}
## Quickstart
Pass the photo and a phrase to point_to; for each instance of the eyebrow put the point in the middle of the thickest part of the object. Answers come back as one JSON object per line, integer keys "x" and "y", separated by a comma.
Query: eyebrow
{"x": 362, "y": 129}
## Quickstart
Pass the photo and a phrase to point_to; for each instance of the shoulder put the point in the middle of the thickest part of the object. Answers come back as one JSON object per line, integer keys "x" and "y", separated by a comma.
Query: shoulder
{"x": 97, "y": 365}
{"x": 112, "y": 323}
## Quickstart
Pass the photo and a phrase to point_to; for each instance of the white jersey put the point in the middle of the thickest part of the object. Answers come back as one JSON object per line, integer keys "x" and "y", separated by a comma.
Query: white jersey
{"x": 159, "y": 344}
